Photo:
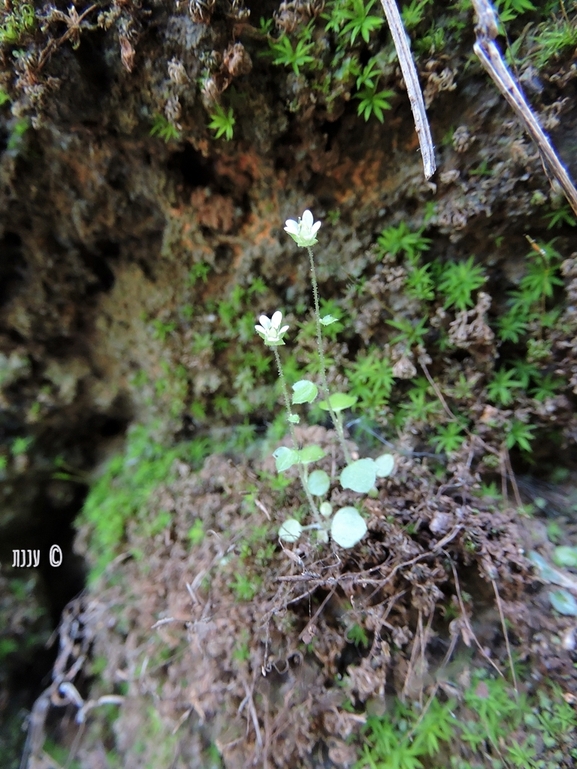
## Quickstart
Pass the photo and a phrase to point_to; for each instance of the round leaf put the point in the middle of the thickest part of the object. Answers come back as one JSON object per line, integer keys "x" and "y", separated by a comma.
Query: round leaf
{"x": 348, "y": 527}
{"x": 565, "y": 556}
{"x": 318, "y": 483}
{"x": 563, "y": 602}
{"x": 304, "y": 391}
{"x": 290, "y": 531}
{"x": 545, "y": 570}
{"x": 359, "y": 476}
{"x": 339, "y": 402}
{"x": 294, "y": 419}
{"x": 385, "y": 465}
{"x": 285, "y": 458}
{"x": 325, "y": 509}
{"x": 310, "y": 454}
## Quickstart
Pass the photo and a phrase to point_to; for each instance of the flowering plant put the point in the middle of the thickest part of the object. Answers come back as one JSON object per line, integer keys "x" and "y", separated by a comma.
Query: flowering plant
{"x": 303, "y": 232}
{"x": 271, "y": 330}
{"x": 346, "y": 526}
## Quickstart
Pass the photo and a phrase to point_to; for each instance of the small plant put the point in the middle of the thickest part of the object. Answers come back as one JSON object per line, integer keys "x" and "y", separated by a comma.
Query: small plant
{"x": 351, "y": 19}
{"x": 162, "y": 329}
{"x": 419, "y": 407}
{"x": 458, "y": 282}
{"x": 400, "y": 240}
{"x": 503, "y": 386}
{"x": 414, "y": 13}
{"x": 222, "y": 122}
{"x": 553, "y": 39}
{"x": 357, "y": 635}
{"x": 164, "y": 129}
{"x": 541, "y": 278}
{"x": 519, "y": 434}
{"x": 546, "y": 387}
{"x": 525, "y": 372}
{"x": 245, "y": 588}
{"x": 295, "y": 56}
{"x": 198, "y": 271}
{"x": 373, "y": 102}
{"x": 449, "y": 438}
{"x": 346, "y": 526}
{"x": 410, "y": 334}
{"x": 527, "y": 304}
{"x": 196, "y": 532}
{"x": 20, "y": 445}
{"x": 509, "y": 10}
{"x": 419, "y": 283}
{"x": 371, "y": 379}
{"x": 512, "y": 325}
{"x": 563, "y": 215}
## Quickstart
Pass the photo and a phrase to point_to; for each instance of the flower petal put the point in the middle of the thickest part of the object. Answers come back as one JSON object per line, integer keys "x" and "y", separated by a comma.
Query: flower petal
{"x": 307, "y": 219}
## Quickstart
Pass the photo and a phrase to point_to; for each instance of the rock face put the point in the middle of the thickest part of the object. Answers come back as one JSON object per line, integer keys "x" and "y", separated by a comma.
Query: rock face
{"x": 150, "y": 155}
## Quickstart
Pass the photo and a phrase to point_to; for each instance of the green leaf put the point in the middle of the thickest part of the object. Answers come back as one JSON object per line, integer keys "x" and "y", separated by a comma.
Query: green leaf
{"x": 328, "y": 319}
{"x": 339, "y": 402}
{"x": 294, "y": 419}
{"x": 348, "y": 527}
{"x": 318, "y": 483}
{"x": 285, "y": 458}
{"x": 546, "y": 572}
{"x": 359, "y": 476}
{"x": 565, "y": 556}
{"x": 290, "y": 531}
{"x": 563, "y": 602}
{"x": 222, "y": 122}
{"x": 310, "y": 454}
{"x": 385, "y": 464}
{"x": 304, "y": 391}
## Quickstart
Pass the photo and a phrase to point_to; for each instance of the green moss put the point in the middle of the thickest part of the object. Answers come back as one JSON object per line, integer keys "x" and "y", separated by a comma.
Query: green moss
{"x": 16, "y": 23}
{"x": 164, "y": 129}
{"x": 122, "y": 491}
{"x": 492, "y": 720}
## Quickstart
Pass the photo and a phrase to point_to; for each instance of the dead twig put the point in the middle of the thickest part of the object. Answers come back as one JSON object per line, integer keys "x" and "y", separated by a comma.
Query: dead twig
{"x": 403, "y": 48}
{"x": 486, "y": 49}
{"x": 465, "y": 620}
{"x": 506, "y": 635}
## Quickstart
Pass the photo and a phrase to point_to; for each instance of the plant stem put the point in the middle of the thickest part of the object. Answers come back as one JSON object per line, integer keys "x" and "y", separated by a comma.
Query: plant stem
{"x": 325, "y": 385}
{"x": 287, "y": 403}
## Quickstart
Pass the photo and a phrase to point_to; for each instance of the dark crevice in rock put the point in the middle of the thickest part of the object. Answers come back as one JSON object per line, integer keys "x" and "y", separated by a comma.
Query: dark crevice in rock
{"x": 98, "y": 265}
{"x": 191, "y": 167}
{"x": 12, "y": 265}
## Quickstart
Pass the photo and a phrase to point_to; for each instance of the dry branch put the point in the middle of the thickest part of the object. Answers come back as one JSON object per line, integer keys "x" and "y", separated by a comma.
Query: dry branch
{"x": 486, "y": 49}
{"x": 411, "y": 79}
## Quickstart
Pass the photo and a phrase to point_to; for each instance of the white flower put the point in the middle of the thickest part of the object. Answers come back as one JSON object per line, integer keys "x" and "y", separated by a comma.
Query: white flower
{"x": 270, "y": 329}
{"x": 303, "y": 232}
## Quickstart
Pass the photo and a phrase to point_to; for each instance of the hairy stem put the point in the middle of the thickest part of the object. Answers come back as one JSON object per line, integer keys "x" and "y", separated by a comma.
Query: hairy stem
{"x": 287, "y": 403}
{"x": 325, "y": 385}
